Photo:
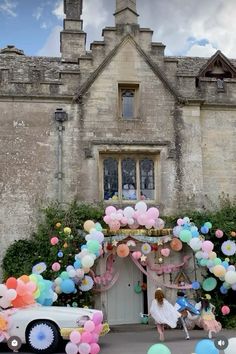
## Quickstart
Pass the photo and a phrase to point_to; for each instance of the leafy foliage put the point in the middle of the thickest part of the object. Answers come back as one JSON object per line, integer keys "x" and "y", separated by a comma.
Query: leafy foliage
{"x": 22, "y": 255}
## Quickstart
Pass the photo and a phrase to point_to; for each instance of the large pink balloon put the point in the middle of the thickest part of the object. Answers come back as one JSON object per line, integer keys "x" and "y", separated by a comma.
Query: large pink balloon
{"x": 86, "y": 337}
{"x": 153, "y": 213}
{"x": 207, "y": 246}
{"x": 95, "y": 348}
{"x": 75, "y": 337}
{"x": 89, "y": 326}
{"x": 97, "y": 318}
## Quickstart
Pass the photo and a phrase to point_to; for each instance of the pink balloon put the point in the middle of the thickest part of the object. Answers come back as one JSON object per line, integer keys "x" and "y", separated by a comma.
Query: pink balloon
{"x": 95, "y": 348}
{"x": 54, "y": 241}
{"x": 21, "y": 287}
{"x": 97, "y": 318}
{"x": 98, "y": 329}
{"x": 84, "y": 348}
{"x": 219, "y": 233}
{"x": 95, "y": 337}
{"x": 89, "y": 326}
{"x": 153, "y": 213}
{"x": 207, "y": 246}
{"x": 71, "y": 348}
{"x": 75, "y": 337}
{"x": 136, "y": 254}
{"x": 110, "y": 209}
{"x": 225, "y": 310}
{"x": 56, "y": 266}
{"x": 107, "y": 219}
{"x": 86, "y": 337}
{"x": 31, "y": 286}
{"x": 180, "y": 222}
{"x": 142, "y": 219}
{"x": 114, "y": 225}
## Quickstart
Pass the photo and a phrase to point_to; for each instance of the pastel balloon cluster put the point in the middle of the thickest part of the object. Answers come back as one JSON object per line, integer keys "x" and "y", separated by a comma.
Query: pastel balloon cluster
{"x": 87, "y": 341}
{"x": 205, "y": 255}
{"x": 74, "y": 275}
{"x": 131, "y": 217}
{"x": 26, "y": 290}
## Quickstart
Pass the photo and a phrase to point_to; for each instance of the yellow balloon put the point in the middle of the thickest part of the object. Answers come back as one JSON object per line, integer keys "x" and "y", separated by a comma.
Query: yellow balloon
{"x": 88, "y": 225}
{"x": 212, "y": 255}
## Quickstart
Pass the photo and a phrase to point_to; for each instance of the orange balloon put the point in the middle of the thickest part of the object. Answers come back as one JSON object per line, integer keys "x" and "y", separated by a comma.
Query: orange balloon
{"x": 122, "y": 250}
{"x": 88, "y": 225}
{"x": 176, "y": 244}
{"x": 11, "y": 283}
{"x": 25, "y": 278}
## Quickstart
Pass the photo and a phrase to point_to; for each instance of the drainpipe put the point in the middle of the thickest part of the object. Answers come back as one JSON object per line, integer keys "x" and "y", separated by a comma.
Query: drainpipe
{"x": 60, "y": 117}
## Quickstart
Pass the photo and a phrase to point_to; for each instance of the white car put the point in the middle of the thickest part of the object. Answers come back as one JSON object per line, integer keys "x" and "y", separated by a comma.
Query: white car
{"x": 42, "y": 327}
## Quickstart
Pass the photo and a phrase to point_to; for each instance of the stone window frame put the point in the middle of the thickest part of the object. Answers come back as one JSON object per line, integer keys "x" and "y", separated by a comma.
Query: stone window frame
{"x": 138, "y": 156}
{"x": 135, "y": 86}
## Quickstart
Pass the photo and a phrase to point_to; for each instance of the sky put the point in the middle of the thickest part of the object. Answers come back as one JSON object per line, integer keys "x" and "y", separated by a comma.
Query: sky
{"x": 186, "y": 27}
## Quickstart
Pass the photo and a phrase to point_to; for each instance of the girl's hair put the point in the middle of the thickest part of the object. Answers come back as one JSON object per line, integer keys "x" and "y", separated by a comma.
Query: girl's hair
{"x": 159, "y": 296}
{"x": 205, "y": 304}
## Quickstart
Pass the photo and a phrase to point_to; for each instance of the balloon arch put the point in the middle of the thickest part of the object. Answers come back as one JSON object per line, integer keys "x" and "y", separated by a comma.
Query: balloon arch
{"x": 125, "y": 228}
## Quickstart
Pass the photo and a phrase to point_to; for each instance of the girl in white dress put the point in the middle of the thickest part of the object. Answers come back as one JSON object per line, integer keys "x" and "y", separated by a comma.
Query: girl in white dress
{"x": 163, "y": 312}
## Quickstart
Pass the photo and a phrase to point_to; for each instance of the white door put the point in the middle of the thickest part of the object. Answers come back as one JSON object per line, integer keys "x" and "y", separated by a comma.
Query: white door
{"x": 123, "y": 303}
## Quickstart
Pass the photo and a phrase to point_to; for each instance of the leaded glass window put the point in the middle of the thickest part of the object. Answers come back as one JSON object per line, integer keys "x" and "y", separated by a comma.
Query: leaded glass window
{"x": 127, "y": 98}
{"x": 147, "y": 182}
{"x": 128, "y": 168}
{"x": 110, "y": 167}
{"x": 129, "y": 177}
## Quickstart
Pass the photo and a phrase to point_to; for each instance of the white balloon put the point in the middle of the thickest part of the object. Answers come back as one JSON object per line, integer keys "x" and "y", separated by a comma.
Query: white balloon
{"x": 141, "y": 207}
{"x": 195, "y": 244}
{"x": 230, "y": 277}
{"x": 231, "y": 346}
{"x": 129, "y": 212}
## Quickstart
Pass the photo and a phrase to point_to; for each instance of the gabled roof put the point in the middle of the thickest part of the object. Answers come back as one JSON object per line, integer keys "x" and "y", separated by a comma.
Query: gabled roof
{"x": 157, "y": 71}
{"x": 218, "y": 57}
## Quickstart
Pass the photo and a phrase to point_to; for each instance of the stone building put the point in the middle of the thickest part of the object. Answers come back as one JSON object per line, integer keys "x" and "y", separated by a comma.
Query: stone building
{"x": 119, "y": 123}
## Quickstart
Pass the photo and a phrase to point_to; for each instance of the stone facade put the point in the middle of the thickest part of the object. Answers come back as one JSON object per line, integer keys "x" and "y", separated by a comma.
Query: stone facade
{"x": 186, "y": 116}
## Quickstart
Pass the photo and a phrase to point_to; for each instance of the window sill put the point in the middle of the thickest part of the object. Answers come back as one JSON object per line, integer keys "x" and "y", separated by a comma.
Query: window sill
{"x": 128, "y": 120}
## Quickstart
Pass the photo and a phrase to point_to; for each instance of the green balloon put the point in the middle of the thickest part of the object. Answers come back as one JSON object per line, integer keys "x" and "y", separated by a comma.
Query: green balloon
{"x": 64, "y": 275}
{"x": 159, "y": 349}
{"x": 209, "y": 284}
{"x": 217, "y": 261}
{"x": 93, "y": 246}
{"x": 185, "y": 235}
{"x": 208, "y": 224}
{"x": 203, "y": 262}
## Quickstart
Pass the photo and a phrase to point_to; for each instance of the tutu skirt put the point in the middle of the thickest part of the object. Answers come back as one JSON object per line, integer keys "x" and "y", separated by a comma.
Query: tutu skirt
{"x": 165, "y": 313}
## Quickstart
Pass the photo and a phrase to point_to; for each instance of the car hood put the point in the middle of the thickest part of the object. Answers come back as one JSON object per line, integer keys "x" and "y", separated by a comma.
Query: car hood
{"x": 59, "y": 309}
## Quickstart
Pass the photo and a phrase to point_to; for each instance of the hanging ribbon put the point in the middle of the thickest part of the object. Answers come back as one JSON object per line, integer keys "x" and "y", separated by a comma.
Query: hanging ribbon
{"x": 168, "y": 268}
{"x": 107, "y": 280}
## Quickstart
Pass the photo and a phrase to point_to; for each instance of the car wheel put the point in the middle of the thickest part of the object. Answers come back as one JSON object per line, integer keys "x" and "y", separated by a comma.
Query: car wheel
{"x": 42, "y": 337}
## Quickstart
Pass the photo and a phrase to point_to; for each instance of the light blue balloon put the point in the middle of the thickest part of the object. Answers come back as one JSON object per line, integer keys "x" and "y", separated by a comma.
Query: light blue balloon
{"x": 67, "y": 286}
{"x": 77, "y": 264}
{"x": 159, "y": 349}
{"x": 206, "y": 346}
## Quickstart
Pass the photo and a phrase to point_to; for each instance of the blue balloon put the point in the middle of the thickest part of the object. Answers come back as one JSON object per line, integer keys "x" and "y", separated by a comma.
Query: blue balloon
{"x": 60, "y": 254}
{"x": 223, "y": 290}
{"x": 77, "y": 264}
{"x": 83, "y": 247}
{"x": 184, "y": 304}
{"x": 195, "y": 233}
{"x": 204, "y": 230}
{"x": 67, "y": 286}
{"x": 225, "y": 264}
{"x": 196, "y": 285}
{"x": 206, "y": 346}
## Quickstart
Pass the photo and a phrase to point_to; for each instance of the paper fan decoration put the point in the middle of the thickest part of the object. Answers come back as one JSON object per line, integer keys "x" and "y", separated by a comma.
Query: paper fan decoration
{"x": 41, "y": 336}
{"x": 39, "y": 268}
{"x": 86, "y": 284}
{"x": 146, "y": 248}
